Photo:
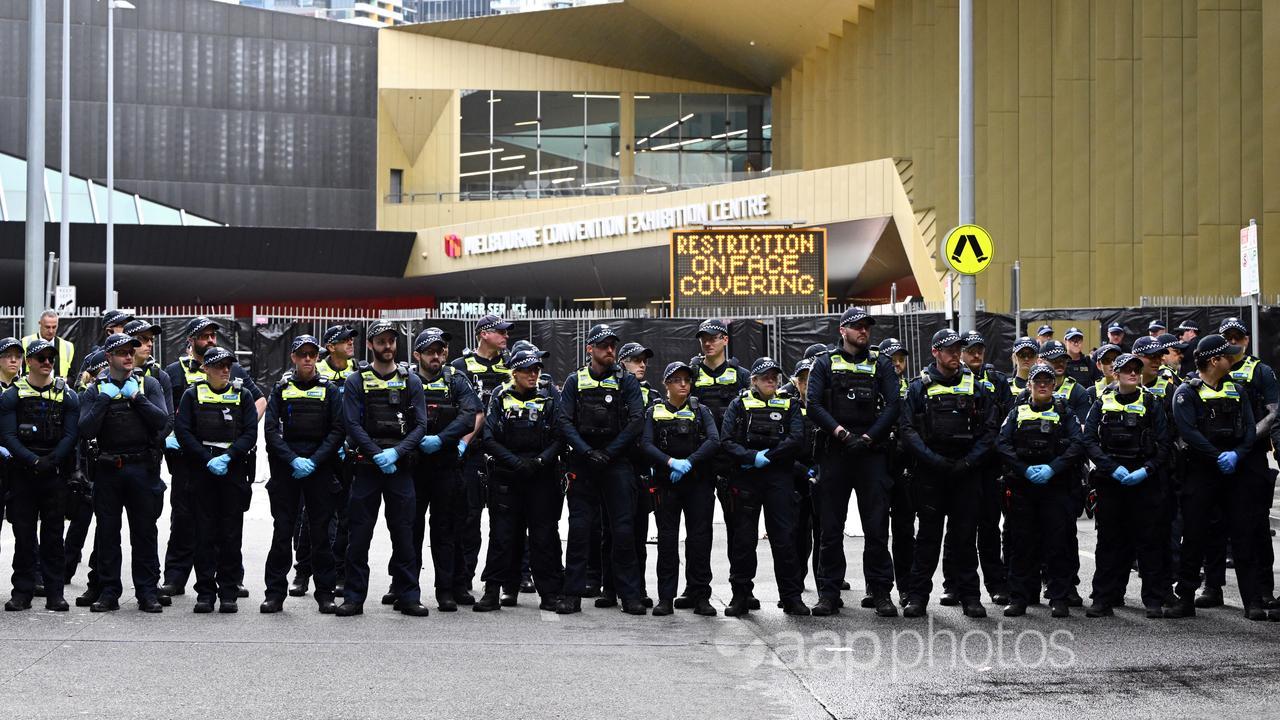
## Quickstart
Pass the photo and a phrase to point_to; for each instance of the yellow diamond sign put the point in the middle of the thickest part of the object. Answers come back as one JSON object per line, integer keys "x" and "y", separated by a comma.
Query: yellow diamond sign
{"x": 968, "y": 249}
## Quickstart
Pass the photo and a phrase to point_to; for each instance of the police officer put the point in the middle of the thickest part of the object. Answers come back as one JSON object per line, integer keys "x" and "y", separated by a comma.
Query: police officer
{"x": 634, "y": 358}
{"x": 1264, "y": 395}
{"x": 184, "y": 373}
{"x": 681, "y": 441}
{"x": 113, "y": 321}
{"x": 1025, "y": 352}
{"x": 1115, "y": 334}
{"x": 547, "y": 384}
{"x": 64, "y": 351}
{"x": 762, "y": 434}
{"x": 1156, "y": 328}
{"x": 1155, "y": 377}
{"x": 336, "y": 364}
{"x": 452, "y": 407}
{"x": 902, "y": 516}
{"x": 807, "y": 537}
{"x": 1127, "y": 438}
{"x": 1103, "y": 357}
{"x": 303, "y": 430}
{"x": 1175, "y": 352}
{"x": 1188, "y": 334}
{"x": 146, "y": 332}
{"x": 1040, "y": 443}
{"x": 124, "y": 412}
{"x": 1076, "y": 398}
{"x": 217, "y": 427}
{"x": 39, "y": 424}
{"x": 947, "y": 426}
{"x": 854, "y": 399}
{"x": 487, "y": 371}
{"x": 717, "y": 380}
{"x": 524, "y": 431}
{"x": 1079, "y": 364}
{"x": 604, "y": 408}
{"x": 385, "y": 417}
{"x": 991, "y": 556}
{"x": 1214, "y": 416}
{"x": 1044, "y": 334}
{"x": 10, "y": 366}
{"x": 80, "y": 495}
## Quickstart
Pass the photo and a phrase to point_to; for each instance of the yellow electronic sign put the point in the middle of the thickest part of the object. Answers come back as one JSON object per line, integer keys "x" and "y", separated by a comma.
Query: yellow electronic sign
{"x": 748, "y": 269}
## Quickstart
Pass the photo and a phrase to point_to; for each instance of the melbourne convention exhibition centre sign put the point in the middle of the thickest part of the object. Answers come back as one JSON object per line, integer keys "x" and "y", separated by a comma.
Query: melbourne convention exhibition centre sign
{"x": 745, "y": 269}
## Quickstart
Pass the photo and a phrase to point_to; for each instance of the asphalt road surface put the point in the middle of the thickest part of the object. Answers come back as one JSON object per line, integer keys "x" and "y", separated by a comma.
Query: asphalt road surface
{"x": 523, "y": 663}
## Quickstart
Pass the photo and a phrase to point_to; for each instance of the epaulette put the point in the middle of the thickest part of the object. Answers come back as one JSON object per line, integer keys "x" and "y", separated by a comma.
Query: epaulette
{"x": 402, "y": 369}
{"x": 693, "y": 403}
{"x": 364, "y": 365}
{"x": 1195, "y": 382}
{"x": 925, "y": 378}
{"x": 60, "y": 384}
{"x": 237, "y": 384}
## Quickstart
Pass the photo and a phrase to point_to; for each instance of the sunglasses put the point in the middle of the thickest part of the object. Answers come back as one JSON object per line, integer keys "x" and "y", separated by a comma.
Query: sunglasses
{"x": 307, "y": 353}
{"x": 122, "y": 352}
{"x": 43, "y": 359}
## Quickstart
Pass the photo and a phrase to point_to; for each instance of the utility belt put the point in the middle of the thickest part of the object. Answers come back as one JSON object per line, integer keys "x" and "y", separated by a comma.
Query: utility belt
{"x": 119, "y": 460}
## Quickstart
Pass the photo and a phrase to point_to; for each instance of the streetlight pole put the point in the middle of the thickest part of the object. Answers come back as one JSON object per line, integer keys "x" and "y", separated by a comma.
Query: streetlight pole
{"x": 111, "y": 158}
{"x": 33, "y": 291}
{"x": 64, "y": 238}
{"x": 968, "y": 283}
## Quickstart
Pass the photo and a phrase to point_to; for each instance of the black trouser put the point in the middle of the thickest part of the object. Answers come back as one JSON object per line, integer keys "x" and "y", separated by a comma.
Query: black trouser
{"x": 1266, "y": 552}
{"x": 595, "y": 555}
{"x": 902, "y": 523}
{"x": 807, "y": 537}
{"x": 844, "y": 473}
{"x": 640, "y": 531}
{"x": 180, "y": 554}
{"x": 1207, "y": 493}
{"x": 772, "y": 491}
{"x": 368, "y": 488}
{"x": 302, "y": 542}
{"x": 995, "y": 575}
{"x": 693, "y": 497}
{"x": 80, "y": 509}
{"x": 613, "y": 488}
{"x": 136, "y": 490}
{"x": 439, "y": 491}
{"x": 1133, "y": 523}
{"x": 520, "y": 504}
{"x": 338, "y": 526}
{"x": 469, "y": 534}
{"x": 288, "y": 495}
{"x": 945, "y": 499}
{"x": 1041, "y": 520}
{"x": 220, "y": 502}
{"x": 37, "y": 498}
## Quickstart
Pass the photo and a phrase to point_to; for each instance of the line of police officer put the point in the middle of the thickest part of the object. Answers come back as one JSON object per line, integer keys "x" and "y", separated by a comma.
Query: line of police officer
{"x": 952, "y": 450}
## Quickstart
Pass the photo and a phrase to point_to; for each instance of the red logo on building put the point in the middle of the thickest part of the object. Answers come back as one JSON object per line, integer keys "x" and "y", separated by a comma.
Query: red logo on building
{"x": 452, "y": 246}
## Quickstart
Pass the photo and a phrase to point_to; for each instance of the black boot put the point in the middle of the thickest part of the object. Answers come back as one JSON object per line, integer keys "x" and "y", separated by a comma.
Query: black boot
{"x": 973, "y": 609}
{"x": 1074, "y": 599}
{"x": 148, "y": 605}
{"x": 1000, "y": 597}
{"x": 242, "y": 591}
{"x": 349, "y": 609}
{"x": 490, "y": 601}
{"x": 663, "y": 608}
{"x": 389, "y": 598}
{"x": 683, "y": 602}
{"x": 527, "y": 586}
{"x": 412, "y": 608}
{"x": 826, "y": 606}
{"x": 58, "y": 604}
{"x": 203, "y": 606}
{"x": 568, "y": 605}
{"x": 18, "y": 604}
{"x": 607, "y": 600}
{"x": 885, "y": 607}
{"x": 1100, "y": 609}
{"x": 868, "y": 601}
{"x": 106, "y": 604}
{"x": 445, "y": 601}
{"x": 89, "y": 597}
{"x": 1060, "y": 608}
{"x": 228, "y": 606}
{"x": 914, "y": 609}
{"x": 172, "y": 590}
{"x": 1209, "y": 597}
{"x": 634, "y": 607}
{"x": 271, "y": 605}
{"x": 300, "y": 584}
{"x": 796, "y": 606}
{"x": 549, "y": 603}
{"x": 1015, "y": 608}
{"x": 325, "y": 604}
{"x": 702, "y": 606}
{"x": 509, "y": 598}
{"x": 949, "y": 599}
{"x": 463, "y": 596}
{"x": 738, "y": 606}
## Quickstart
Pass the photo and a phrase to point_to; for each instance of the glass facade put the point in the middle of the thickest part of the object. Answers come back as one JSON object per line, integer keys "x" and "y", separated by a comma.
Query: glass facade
{"x": 83, "y": 209}
{"x": 531, "y": 144}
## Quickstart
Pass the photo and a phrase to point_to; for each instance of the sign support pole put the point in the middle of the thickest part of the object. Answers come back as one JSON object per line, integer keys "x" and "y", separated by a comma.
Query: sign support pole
{"x": 968, "y": 283}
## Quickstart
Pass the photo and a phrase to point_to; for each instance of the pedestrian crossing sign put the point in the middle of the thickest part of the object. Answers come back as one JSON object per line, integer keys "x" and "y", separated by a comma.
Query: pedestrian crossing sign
{"x": 968, "y": 249}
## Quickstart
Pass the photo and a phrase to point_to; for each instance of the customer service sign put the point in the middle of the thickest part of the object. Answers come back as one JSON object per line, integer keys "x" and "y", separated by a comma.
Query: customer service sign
{"x": 599, "y": 228}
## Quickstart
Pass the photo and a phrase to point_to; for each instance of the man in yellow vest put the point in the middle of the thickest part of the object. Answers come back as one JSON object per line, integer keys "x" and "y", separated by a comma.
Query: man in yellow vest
{"x": 64, "y": 351}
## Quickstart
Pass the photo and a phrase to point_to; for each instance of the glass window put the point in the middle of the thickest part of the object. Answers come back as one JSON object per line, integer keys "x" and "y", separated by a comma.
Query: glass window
{"x": 13, "y": 182}
{"x": 396, "y": 185}
{"x": 125, "y": 211}
{"x": 657, "y": 140}
{"x": 515, "y": 138}
{"x": 602, "y": 141}
{"x": 79, "y": 210}
{"x": 157, "y": 214}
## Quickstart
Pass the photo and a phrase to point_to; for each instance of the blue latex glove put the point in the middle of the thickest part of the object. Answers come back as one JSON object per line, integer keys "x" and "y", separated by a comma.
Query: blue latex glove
{"x": 130, "y": 388}
{"x": 813, "y": 474}
{"x": 4, "y": 453}
{"x": 761, "y": 459}
{"x": 110, "y": 390}
{"x": 171, "y": 442}
{"x": 342, "y": 453}
{"x": 389, "y": 469}
{"x": 218, "y": 465}
{"x": 1120, "y": 473}
{"x": 1046, "y": 472}
{"x": 302, "y": 467}
{"x": 1039, "y": 474}
{"x": 431, "y": 444}
{"x": 684, "y": 467}
{"x": 386, "y": 458}
{"x": 462, "y": 447}
{"x": 1135, "y": 477}
{"x": 1227, "y": 462}
{"x": 1032, "y": 472}
{"x": 676, "y": 475}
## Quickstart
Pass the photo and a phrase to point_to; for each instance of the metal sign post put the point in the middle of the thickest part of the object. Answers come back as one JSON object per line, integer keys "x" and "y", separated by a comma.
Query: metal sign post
{"x": 1250, "y": 283}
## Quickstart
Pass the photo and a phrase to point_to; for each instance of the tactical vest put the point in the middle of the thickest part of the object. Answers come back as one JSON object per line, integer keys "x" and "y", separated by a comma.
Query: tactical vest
{"x": 678, "y": 433}
{"x": 763, "y": 423}
{"x": 40, "y": 414}
{"x": 1222, "y": 422}
{"x": 526, "y": 424}
{"x": 715, "y": 392}
{"x": 1243, "y": 375}
{"x": 600, "y": 407}
{"x": 1125, "y": 430}
{"x": 336, "y": 377}
{"x": 1038, "y": 434}
{"x": 486, "y": 379}
{"x": 442, "y": 404}
{"x": 386, "y": 405}
{"x": 123, "y": 429}
{"x": 950, "y": 412}
{"x": 854, "y": 400}
{"x": 304, "y": 413}
{"x": 1064, "y": 393}
{"x": 218, "y": 422}
{"x": 1161, "y": 387}
{"x": 192, "y": 372}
